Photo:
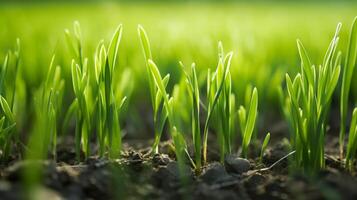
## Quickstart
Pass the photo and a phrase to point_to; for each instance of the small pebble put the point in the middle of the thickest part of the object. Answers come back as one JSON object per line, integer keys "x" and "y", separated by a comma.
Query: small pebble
{"x": 235, "y": 164}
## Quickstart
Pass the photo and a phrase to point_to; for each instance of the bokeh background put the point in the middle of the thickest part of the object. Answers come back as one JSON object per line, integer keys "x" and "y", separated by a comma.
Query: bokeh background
{"x": 262, "y": 35}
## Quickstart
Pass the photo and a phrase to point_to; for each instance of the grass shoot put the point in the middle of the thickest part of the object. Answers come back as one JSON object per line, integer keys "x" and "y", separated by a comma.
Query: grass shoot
{"x": 309, "y": 99}
{"x": 349, "y": 65}
{"x": 247, "y": 121}
{"x": 264, "y": 146}
{"x": 160, "y": 114}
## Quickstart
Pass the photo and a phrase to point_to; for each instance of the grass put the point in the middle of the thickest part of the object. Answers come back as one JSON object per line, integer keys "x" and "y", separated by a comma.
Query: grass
{"x": 178, "y": 139}
{"x": 348, "y": 70}
{"x": 242, "y": 32}
{"x": 224, "y": 113}
{"x": 181, "y": 35}
{"x": 214, "y": 92}
{"x": 264, "y": 146}
{"x": 352, "y": 142}
{"x": 217, "y": 84}
{"x": 96, "y": 107}
{"x": 219, "y": 105}
{"x": 43, "y": 138}
{"x": 7, "y": 124}
{"x": 194, "y": 94}
{"x": 84, "y": 90}
{"x": 159, "y": 117}
{"x": 247, "y": 123}
{"x": 50, "y": 98}
{"x": 309, "y": 98}
{"x": 80, "y": 79}
{"x": 8, "y": 136}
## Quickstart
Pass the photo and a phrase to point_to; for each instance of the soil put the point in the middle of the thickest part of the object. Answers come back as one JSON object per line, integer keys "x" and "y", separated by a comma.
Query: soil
{"x": 141, "y": 175}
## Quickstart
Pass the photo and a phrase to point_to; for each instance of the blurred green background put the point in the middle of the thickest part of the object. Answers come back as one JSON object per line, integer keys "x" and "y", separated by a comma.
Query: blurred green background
{"x": 261, "y": 34}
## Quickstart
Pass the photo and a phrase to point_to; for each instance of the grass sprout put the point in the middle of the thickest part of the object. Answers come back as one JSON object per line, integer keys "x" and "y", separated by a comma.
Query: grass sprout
{"x": 48, "y": 103}
{"x": 43, "y": 139}
{"x": 352, "y": 142}
{"x": 348, "y": 69}
{"x": 8, "y": 75}
{"x": 7, "y": 127}
{"x": 177, "y": 137}
{"x": 264, "y": 146}
{"x": 96, "y": 106}
{"x": 225, "y": 113}
{"x": 247, "y": 121}
{"x": 218, "y": 84}
{"x": 109, "y": 129}
{"x": 194, "y": 95}
{"x": 308, "y": 104}
{"x": 160, "y": 115}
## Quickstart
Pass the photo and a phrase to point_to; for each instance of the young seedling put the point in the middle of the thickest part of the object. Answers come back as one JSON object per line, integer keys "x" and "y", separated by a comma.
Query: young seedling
{"x": 43, "y": 137}
{"x": 247, "y": 123}
{"x": 80, "y": 80}
{"x": 95, "y": 106}
{"x": 348, "y": 69}
{"x": 224, "y": 113}
{"x": 159, "y": 113}
{"x": 108, "y": 108}
{"x": 214, "y": 92}
{"x": 217, "y": 84}
{"x": 178, "y": 139}
{"x": 83, "y": 117}
{"x": 308, "y": 103}
{"x": 352, "y": 142}
{"x": 7, "y": 128}
{"x": 264, "y": 147}
{"x": 48, "y": 106}
{"x": 160, "y": 84}
{"x": 183, "y": 112}
{"x": 74, "y": 41}
{"x": 8, "y": 137}
{"x": 194, "y": 95}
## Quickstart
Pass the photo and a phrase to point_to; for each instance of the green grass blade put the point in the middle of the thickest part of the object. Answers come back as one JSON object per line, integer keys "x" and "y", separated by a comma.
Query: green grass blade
{"x": 158, "y": 97}
{"x": 305, "y": 62}
{"x": 348, "y": 69}
{"x": 161, "y": 86}
{"x": 114, "y": 46}
{"x": 144, "y": 42}
{"x": 70, "y": 113}
{"x": 252, "y": 115}
{"x": 333, "y": 82}
{"x": 242, "y": 114}
{"x": 352, "y": 141}
{"x": 264, "y": 146}
{"x": 6, "y": 109}
{"x": 211, "y": 107}
{"x": 147, "y": 55}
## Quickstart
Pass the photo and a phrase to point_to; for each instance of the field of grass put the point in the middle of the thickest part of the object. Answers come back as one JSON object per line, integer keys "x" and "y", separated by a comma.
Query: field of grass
{"x": 262, "y": 38}
{"x": 95, "y": 91}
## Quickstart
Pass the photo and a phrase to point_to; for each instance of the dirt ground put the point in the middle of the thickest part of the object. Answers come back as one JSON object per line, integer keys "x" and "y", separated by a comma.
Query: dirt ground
{"x": 141, "y": 175}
